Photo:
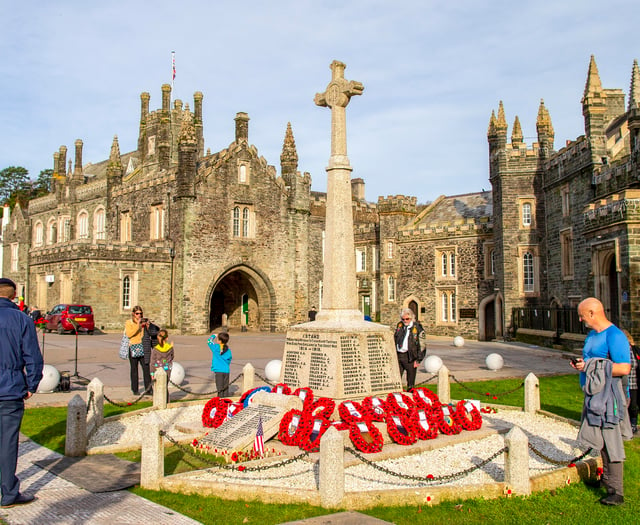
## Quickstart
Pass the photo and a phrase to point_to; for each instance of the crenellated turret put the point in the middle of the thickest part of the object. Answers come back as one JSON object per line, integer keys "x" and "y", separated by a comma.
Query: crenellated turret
{"x": 187, "y": 156}
{"x": 164, "y": 138}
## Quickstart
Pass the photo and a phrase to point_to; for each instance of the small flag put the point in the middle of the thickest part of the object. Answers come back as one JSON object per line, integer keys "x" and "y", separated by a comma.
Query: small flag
{"x": 258, "y": 442}
{"x": 173, "y": 65}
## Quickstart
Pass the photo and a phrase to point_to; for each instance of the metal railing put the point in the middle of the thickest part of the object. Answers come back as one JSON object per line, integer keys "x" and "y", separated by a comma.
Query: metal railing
{"x": 558, "y": 320}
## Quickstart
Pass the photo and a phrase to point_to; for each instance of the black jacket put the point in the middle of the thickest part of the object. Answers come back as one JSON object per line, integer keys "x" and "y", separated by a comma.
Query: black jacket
{"x": 417, "y": 341}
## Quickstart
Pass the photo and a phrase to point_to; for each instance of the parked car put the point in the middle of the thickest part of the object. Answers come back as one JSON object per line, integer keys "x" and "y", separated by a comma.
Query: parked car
{"x": 62, "y": 316}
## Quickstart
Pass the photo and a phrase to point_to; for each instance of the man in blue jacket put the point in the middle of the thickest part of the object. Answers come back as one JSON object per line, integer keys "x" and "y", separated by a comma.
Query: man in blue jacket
{"x": 20, "y": 373}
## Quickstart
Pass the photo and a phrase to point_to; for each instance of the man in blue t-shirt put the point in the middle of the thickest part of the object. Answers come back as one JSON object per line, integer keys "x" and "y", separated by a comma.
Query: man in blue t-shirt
{"x": 605, "y": 341}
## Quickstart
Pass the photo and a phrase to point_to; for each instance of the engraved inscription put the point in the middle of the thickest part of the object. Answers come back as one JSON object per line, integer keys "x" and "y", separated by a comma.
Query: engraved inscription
{"x": 239, "y": 431}
{"x": 354, "y": 371}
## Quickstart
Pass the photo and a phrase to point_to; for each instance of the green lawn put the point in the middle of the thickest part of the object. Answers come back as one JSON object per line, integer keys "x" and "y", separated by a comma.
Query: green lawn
{"x": 573, "y": 504}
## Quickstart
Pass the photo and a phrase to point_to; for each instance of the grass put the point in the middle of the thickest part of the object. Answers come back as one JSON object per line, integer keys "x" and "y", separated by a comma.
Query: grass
{"x": 573, "y": 504}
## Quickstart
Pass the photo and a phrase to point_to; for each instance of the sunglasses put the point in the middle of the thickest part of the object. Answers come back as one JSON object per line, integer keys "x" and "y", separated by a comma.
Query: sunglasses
{"x": 137, "y": 313}
{"x": 406, "y": 318}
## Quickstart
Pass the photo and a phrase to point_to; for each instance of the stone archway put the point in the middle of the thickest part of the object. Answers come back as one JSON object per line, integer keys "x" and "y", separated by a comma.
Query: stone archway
{"x": 487, "y": 319}
{"x": 606, "y": 271}
{"x": 244, "y": 297}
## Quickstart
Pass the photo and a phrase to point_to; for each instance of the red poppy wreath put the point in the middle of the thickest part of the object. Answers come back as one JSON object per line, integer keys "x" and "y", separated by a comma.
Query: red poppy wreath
{"x": 425, "y": 425}
{"x": 399, "y": 402}
{"x": 311, "y": 440}
{"x": 366, "y": 437}
{"x": 304, "y": 393}
{"x": 467, "y": 416}
{"x": 400, "y": 428}
{"x": 351, "y": 411}
{"x": 375, "y": 408}
{"x": 215, "y": 412}
{"x": 292, "y": 428}
{"x": 446, "y": 423}
{"x": 425, "y": 397}
{"x": 281, "y": 388}
{"x": 322, "y": 407}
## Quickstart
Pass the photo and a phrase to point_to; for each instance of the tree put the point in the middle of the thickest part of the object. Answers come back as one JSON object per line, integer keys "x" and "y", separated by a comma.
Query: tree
{"x": 14, "y": 180}
{"x": 42, "y": 184}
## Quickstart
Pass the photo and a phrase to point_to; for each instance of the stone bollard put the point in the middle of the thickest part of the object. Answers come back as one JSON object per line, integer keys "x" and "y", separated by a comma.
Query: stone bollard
{"x": 531, "y": 394}
{"x": 160, "y": 387}
{"x": 444, "y": 389}
{"x": 516, "y": 462}
{"x": 95, "y": 405}
{"x": 331, "y": 469}
{"x": 248, "y": 379}
{"x": 76, "y": 438}
{"x": 152, "y": 460}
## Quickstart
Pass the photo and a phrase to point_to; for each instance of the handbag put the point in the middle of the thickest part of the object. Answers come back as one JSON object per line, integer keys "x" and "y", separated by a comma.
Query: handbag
{"x": 124, "y": 347}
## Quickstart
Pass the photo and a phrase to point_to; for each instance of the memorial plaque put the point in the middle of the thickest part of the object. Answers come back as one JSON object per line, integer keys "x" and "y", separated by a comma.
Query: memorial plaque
{"x": 467, "y": 313}
{"x": 238, "y": 433}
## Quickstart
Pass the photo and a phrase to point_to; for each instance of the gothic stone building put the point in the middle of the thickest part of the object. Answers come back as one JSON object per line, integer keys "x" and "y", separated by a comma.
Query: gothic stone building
{"x": 197, "y": 237}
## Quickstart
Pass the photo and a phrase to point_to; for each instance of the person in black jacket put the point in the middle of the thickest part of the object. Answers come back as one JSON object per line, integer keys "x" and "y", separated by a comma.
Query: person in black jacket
{"x": 149, "y": 341}
{"x": 411, "y": 347}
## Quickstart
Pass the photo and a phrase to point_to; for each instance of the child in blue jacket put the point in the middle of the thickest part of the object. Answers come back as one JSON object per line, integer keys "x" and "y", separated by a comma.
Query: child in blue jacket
{"x": 220, "y": 361}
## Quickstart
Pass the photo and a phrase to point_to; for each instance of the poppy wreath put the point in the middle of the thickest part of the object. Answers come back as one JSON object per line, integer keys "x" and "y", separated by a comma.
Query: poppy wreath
{"x": 304, "y": 393}
{"x": 425, "y": 425}
{"x": 400, "y": 428}
{"x": 292, "y": 428}
{"x": 350, "y": 411}
{"x": 322, "y": 407}
{"x": 365, "y": 436}
{"x": 375, "y": 408}
{"x": 340, "y": 425}
{"x": 311, "y": 440}
{"x": 399, "y": 402}
{"x": 467, "y": 416}
{"x": 424, "y": 397}
{"x": 215, "y": 412}
{"x": 246, "y": 394}
{"x": 281, "y": 388}
{"x": 446, "y": 423}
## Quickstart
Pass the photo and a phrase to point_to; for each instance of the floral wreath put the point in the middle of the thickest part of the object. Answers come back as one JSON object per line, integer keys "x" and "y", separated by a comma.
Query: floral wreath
{"x": 400, "y": 428}
{"x": 215, "y": 412}
{"x": 425, "y": 425}
{"x": 310, "y": 441}
{"x": 399, "y": 402}
{"x": 425, "y": 398}
{"x": 467, "y": 416}
{"x": 351, "y": 411}
{"x": 304, "y": 393}
{"x": 322, "y": 407}
{"x": 446, "y": 422}
{"x": 281, "y": 388}
{"x": 365, "y": 436}
{"x": 246, "y": 398}
{"x": 292, "y": 427}
{"x": 375, "y": 408}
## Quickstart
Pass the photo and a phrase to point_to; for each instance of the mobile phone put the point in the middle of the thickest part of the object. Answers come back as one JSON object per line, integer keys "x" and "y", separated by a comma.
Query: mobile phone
{"x": 574, "y": 360}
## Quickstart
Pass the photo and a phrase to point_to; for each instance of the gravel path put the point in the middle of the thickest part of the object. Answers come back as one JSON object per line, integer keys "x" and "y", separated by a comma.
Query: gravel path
{"x": 555, "y": 439}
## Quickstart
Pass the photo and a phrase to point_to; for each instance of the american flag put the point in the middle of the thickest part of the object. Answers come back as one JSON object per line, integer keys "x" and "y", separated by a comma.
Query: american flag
{"x": 173, "y": 65}
{"x": 258, "y": 442}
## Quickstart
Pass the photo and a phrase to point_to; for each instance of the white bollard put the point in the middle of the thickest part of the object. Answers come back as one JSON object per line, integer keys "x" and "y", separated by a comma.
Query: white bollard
{"x": 160, "y": 387}
{"x": 248, "y": 381}
{"x": 444, "y": 388}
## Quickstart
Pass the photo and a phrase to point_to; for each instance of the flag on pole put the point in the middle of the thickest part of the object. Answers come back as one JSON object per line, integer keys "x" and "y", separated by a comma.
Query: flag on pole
{"x": 258, "y": 442}
{"x": 173, "y": 65}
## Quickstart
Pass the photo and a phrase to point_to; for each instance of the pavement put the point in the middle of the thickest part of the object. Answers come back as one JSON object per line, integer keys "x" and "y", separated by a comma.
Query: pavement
{"x": 85, "y": 357}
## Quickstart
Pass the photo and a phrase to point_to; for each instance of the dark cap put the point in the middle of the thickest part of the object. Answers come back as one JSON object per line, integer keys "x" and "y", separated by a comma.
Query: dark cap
{"x": 7, "y": 282}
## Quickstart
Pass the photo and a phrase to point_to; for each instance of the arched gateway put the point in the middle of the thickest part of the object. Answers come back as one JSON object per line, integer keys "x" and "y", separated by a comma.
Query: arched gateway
{"x": 246, "y": 296}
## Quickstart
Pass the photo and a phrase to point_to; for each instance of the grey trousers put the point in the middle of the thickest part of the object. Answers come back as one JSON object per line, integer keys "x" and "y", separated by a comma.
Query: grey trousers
{"x": 612, "y": 474}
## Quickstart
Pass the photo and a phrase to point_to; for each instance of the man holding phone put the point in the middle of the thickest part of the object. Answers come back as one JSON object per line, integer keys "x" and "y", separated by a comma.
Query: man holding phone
{"x": 606, "y": 341}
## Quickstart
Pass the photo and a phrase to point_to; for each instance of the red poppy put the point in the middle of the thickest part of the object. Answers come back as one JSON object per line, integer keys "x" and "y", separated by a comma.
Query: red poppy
{"x": 365, "y": 436}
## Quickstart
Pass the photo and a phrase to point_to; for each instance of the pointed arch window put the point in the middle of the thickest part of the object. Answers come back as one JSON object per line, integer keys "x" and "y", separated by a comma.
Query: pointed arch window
{"x": 99, "y": 225}
{"x": 83, "y": 225}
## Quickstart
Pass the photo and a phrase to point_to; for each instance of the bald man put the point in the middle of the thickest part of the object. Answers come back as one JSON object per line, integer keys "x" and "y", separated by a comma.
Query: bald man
{"x": 605, "y": 341}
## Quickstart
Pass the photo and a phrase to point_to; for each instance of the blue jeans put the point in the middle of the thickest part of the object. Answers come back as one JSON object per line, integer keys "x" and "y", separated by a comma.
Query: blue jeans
{"x": 11, "y": 412}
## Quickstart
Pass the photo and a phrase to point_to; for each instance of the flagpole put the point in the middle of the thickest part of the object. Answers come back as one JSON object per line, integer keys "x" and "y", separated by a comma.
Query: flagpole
{"x": 173, "y": 69}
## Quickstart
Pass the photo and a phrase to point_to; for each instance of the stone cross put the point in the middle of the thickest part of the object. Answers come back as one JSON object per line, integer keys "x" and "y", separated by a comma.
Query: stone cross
{"x": 340, "y": 296}
{"x": 337, "y": 96}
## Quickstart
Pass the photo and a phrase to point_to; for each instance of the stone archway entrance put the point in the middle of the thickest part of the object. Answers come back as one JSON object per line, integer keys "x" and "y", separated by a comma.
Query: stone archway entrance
{"x": 242, "y": 298}
{"x": 606, "y": 271}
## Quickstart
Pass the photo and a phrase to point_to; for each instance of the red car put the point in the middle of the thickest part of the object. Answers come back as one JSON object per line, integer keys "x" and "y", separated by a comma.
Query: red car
{"x": 62, "y": 317}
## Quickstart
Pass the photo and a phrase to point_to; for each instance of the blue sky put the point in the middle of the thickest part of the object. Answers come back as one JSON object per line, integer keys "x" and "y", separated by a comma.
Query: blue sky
{"x": 432, "y": 72}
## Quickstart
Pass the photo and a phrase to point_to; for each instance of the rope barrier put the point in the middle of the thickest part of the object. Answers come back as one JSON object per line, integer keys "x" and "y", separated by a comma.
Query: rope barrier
{"x": 429, "y": 478}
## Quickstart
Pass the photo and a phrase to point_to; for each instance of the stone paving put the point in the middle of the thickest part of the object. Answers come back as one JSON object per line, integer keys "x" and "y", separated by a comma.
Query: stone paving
{"x": 61, "y": 502}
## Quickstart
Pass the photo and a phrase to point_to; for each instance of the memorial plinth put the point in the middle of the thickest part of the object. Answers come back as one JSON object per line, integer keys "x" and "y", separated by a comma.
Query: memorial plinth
{"x": 348, "y": 360}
